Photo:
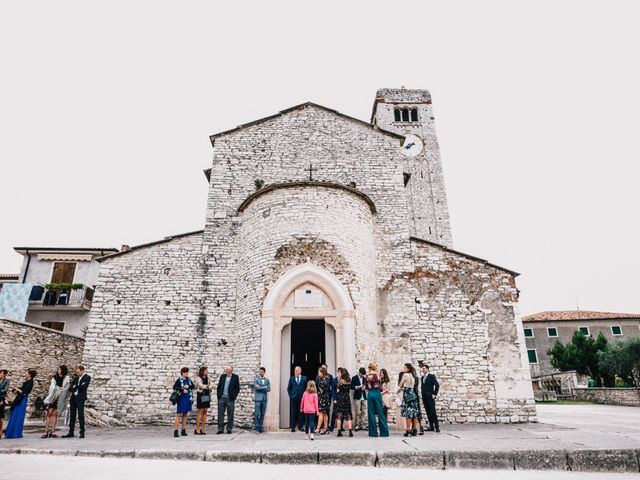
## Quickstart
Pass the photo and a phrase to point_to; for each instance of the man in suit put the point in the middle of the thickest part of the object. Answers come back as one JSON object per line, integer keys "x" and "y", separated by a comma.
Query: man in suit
{"x": 430, "y": 389}
{"x": 295, "y": 389}
{"x": 359, "y": 398}
{"x": 227, "y": 392}
{"x": 78, "y": 391}
{"x": 261, "y": 386}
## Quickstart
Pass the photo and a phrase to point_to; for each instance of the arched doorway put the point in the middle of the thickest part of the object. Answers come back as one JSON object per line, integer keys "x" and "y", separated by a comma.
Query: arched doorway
{"x": 307, "y": 319}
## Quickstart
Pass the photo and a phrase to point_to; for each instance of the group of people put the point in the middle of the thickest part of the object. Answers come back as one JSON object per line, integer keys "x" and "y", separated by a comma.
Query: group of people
{"x": 317, "y": 406}
{"x": 61, "y": 387}
{"x": 329, "y": 399}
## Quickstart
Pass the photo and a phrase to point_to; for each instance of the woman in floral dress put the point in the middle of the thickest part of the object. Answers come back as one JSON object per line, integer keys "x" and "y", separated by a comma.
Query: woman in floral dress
{"x": 409, "y": 408}
{"x": 323, "y": 386}
{"x": 343, "y": 403}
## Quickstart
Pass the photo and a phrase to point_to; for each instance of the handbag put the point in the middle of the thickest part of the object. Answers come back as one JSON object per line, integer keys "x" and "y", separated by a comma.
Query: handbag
{"x": 205, "y": 397}
{"x": 175, "y": 396}
{"x": 398, "y": 401}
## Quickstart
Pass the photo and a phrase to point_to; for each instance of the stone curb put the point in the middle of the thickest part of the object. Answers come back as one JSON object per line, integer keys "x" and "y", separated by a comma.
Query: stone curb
{"x": 606, "y": 460}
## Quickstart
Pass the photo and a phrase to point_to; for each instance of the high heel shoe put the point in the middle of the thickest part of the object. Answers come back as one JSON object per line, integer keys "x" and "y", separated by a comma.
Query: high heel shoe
{"x": 414, "y": 432}
{"x": 46, "y": 435}
{"x": 407, "y": 433}
{"x": 421, "y": 430}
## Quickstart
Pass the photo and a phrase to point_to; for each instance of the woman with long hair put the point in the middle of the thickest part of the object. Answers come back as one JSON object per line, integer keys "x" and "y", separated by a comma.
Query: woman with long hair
{"x": 385, "y": 392}
{"x": 55, "y": 400}
{"x": 409, "y": 407}
{"x": 203, "y": 399}
{"x": 323, "y": 386}
{"x": 343, "y": 406}
{"x": 19, "y": 406}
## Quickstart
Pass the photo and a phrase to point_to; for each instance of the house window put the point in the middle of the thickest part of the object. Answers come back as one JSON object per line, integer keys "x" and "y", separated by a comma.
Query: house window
{"x": 528, "y": 332}
{"x": 533, "y": 356}
{"x": 63, "y": 272}
{"x": 584, "y": 330}
{"x": 53, "y": 325}
{"x": 552, "y": 331}
{"x": 405, "y": 114}
{"x": 616, "y": 330}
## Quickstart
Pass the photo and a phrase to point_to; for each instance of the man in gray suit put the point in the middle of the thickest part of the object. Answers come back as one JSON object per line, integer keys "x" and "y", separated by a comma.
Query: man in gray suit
{"x": 261, "y": 386}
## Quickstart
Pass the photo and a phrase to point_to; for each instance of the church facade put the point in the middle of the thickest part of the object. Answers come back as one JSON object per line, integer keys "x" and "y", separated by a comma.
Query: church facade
{"x": 326, "y": 240}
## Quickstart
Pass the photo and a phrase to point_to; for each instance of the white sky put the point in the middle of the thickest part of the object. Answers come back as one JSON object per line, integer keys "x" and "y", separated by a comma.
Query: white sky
{"x": 106, "y": 109}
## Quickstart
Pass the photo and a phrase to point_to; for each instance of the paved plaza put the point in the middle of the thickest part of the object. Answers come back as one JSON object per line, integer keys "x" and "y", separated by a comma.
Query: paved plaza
{"x": 565, "y": 437}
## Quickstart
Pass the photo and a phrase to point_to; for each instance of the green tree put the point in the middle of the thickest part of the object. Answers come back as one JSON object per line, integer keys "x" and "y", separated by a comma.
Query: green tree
{"x": 581, "y": 355}
{"x": 622, "y": 358}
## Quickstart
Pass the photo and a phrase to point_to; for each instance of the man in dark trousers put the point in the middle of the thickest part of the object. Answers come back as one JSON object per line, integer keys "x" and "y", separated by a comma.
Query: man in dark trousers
{"x": 295, "y": 389}
{"x": 78, "y": 391}
{"x": 228, "y": 390}
{"x": 359, "y": 399}
{"x": 430, "y": 388}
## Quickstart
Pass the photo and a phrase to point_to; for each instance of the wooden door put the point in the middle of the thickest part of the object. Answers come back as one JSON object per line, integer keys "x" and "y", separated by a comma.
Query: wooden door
{"x": 63, "y": 272}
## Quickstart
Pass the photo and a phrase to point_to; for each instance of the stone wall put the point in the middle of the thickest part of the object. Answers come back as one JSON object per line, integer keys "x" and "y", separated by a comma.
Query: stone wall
{"x": 146, "y": 323}
{"x": 466, "y": 328}
{"x": 629, "y": 397}
{"x": 24, "y": 346}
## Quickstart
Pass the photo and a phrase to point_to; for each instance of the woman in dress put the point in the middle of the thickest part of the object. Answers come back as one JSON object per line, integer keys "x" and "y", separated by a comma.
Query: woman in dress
{"x": 323, "y": 386}
{"x": 409, "y": 407}
{"x": 203, "y": 399}
{"x": 19, "y": 407}
{"x": 416, "y": 388}
{"x": 343, "y": 405}
{"x": 373, "y": 387}
{"x": 385, "y": 392}
{"x": 184, "y": 386}
{"x": 55, "y": 399}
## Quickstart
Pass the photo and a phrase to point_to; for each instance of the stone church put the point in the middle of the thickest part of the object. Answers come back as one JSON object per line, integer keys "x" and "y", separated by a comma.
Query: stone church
{"x": 326, "y": 239}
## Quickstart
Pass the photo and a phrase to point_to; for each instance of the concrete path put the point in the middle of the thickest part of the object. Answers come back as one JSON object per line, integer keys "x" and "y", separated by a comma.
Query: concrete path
{"x": 580, "y": 437}
{"x": 21, "y": 467}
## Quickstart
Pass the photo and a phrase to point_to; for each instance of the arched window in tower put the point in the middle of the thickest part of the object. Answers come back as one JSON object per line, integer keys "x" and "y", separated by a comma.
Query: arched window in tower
{"x": 405, "y": 115}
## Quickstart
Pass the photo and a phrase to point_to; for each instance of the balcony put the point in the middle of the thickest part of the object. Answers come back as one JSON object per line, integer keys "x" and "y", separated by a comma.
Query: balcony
{"x": 61, "y": 297}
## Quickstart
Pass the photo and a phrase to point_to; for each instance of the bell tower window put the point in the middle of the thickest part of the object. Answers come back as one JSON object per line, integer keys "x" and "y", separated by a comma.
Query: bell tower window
{"x": 405, "y": 115}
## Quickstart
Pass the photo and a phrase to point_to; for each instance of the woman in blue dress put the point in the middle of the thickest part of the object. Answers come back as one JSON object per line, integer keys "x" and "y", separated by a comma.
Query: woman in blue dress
{"x": 19, "y": 407}
{"x": 184, "y": 386}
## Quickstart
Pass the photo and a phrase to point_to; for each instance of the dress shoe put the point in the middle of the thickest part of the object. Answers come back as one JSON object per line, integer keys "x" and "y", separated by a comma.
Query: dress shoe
{"x": 229, "y": 431}
{"x": 430, "y": 429}
{"x": 81, "y": 435}
{"x": 175, "y": 434}
{"x": 219, "y": 432}
{"x": 184, "y": 432}
{"x": 68, "y": 435}
{"x": 437, "y": 429}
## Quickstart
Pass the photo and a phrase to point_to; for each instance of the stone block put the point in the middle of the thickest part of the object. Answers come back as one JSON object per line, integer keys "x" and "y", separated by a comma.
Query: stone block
{"x": 622, "y": 460}
{"x": 540, "y": 460}
{"x": 290, "y": 458}
{"x": 411, "y": 459}
{"x": 171, "y": 454}
{"x": 474, "y": 460}
{"x": 362, "y": 459}
{"x": 244, "y": 457}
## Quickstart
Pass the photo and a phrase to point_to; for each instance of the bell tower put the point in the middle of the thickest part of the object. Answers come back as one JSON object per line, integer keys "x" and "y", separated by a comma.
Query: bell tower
{"x": 409, "y": 113}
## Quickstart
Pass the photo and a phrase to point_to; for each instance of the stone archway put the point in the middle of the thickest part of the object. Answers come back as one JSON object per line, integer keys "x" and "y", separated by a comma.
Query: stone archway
{"x": 332, "y": 303}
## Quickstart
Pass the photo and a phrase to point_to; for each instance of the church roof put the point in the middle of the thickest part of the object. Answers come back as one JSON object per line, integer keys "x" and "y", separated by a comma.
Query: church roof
{"x": 150, "y": 244}
{"x": 568, "y": 315}
{"x": 466, "y": 255}
{"x": 299, "y": 107}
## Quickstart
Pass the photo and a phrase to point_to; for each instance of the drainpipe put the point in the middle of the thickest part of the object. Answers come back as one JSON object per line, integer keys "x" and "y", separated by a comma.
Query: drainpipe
{"x": 26, "y": 270}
